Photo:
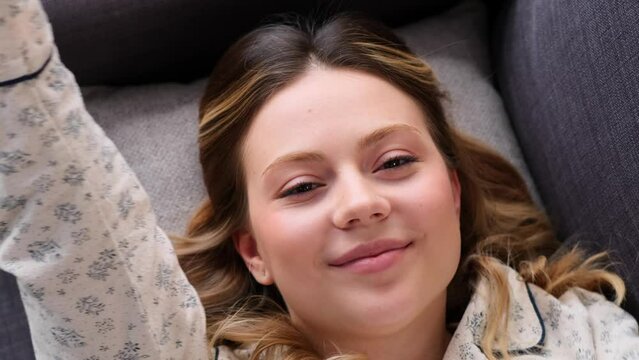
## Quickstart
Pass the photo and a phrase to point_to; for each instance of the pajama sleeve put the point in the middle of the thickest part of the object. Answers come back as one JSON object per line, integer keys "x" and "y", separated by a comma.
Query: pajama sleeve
{"x": 98, "y": 278}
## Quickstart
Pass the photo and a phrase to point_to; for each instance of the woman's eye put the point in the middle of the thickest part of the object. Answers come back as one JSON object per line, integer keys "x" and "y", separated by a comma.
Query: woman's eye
{"x": 300, "y": 188}
{"x": 397, "y": 161}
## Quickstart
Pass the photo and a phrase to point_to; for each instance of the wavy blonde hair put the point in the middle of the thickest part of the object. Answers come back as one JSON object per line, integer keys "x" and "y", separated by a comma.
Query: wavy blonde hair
{"x": 499, "y": 220}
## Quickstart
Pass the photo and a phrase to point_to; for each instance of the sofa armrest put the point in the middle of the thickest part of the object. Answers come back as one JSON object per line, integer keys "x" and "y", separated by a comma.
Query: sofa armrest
{"x": 568, "y": 74}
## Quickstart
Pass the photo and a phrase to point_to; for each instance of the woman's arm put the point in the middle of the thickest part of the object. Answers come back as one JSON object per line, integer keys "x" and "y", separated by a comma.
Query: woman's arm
{"x": 98, "y": 278}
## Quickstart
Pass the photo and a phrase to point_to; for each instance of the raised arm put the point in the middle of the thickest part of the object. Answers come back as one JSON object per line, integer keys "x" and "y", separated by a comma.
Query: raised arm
{"x": 98, "y": 278}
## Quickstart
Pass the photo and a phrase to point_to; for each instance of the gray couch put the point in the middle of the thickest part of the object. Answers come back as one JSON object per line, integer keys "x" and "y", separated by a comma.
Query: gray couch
{"x": 554, "y": 86}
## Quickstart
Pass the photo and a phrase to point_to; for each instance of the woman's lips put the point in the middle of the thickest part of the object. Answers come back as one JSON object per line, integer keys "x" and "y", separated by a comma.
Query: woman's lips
{"x": 372, "y": 257}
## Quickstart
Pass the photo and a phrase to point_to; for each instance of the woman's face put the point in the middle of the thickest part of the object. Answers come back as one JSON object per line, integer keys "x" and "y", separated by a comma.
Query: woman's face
{"x": 353, "y": 213}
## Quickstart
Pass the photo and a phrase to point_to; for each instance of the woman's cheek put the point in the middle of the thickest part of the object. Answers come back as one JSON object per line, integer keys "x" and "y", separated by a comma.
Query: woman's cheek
{"x": 291, "y": 235}
{"x": 293, "y": 250}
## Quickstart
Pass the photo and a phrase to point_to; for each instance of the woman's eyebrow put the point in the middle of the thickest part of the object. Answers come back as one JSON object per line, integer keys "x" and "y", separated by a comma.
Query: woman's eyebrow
{"x": 365, "y": 142}
{"x": 295, "y": 157}
{"x": 379, "y": 134}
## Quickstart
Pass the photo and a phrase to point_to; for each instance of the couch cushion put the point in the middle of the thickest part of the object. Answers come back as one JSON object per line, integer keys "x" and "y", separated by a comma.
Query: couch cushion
{"x": 570, "y": 77}
{"x": 119, "y": 42}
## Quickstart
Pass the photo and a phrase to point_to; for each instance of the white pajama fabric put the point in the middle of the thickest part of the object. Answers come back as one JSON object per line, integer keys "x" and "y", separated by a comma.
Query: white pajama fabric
{"x": 100, "y": 280}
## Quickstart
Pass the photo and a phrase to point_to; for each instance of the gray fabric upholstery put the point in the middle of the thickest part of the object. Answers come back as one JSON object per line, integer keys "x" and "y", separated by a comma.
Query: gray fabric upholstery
{"x": 15, "y": 342}
{"x": 570, "y": 77}
{"x": 121, "y": 42}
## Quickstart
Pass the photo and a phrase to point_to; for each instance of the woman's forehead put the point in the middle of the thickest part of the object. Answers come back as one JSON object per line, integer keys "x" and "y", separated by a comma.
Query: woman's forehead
{"x": 320, "y": 88}
{"x": 325, "y": 103}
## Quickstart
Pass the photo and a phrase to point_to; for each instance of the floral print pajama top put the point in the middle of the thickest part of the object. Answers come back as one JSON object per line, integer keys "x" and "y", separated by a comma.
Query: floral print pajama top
{"x": 100, "y": 280}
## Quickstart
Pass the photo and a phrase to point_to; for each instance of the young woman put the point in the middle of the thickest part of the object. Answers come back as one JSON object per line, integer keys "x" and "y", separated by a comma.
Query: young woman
{"x": 345, "y": 219}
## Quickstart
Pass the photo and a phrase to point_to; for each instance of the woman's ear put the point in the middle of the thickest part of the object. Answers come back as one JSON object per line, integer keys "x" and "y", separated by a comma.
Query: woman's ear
{"x": 456, "y": 187}
{"x": 246, "y": 246}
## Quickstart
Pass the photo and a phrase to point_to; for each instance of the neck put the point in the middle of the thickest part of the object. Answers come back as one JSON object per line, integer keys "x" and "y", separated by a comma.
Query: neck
{"x": 426, "y": 338}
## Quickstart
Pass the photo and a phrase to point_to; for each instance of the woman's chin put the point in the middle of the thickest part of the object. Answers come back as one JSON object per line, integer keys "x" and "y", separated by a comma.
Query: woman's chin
{"x": 384, "y": 315}
{"x": 382, "y": 321}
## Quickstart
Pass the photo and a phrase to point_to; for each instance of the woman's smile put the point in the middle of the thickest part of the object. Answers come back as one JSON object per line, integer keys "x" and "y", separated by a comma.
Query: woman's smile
{"x": 372, "y": 257}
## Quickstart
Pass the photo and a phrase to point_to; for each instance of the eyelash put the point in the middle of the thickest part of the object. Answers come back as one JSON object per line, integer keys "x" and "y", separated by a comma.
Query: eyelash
{"x": 403, "y": 159}
{"x": 304, "y": 185}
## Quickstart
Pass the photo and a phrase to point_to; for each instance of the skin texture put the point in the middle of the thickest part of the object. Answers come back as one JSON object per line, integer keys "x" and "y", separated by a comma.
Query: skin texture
{"x": 317, "y": 189}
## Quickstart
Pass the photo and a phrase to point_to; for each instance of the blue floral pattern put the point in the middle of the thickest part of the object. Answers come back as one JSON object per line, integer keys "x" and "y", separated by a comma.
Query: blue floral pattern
{"x": 75, "y": 223}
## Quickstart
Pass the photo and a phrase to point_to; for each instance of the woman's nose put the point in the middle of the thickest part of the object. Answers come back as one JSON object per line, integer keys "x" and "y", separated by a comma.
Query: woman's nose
{"x": 359, "y": 204}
